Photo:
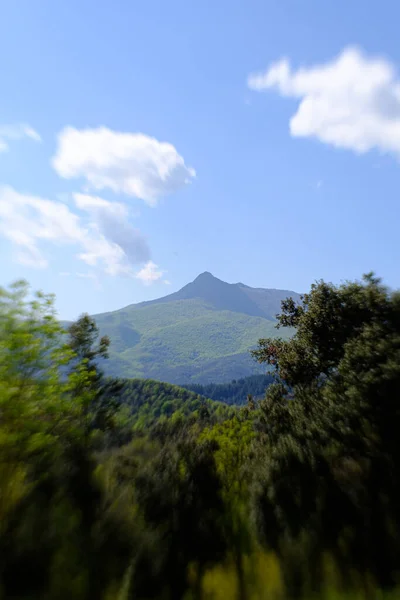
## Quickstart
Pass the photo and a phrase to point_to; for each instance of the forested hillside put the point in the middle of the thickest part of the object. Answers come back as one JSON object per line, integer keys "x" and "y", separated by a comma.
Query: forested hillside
{"x": 151, "y": 401}
{"x": 116, "y": 491}
{"x": 235, "y": 392}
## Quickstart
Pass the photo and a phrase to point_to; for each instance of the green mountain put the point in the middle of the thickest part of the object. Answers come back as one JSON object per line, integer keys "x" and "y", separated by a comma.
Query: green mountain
{"x": 200, "y": 334}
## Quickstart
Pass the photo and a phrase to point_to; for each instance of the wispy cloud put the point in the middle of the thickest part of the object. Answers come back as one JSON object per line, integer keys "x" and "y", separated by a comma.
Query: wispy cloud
{"x": 29, "y": 221}
{"x": 16, "y": 132}
{"x": 111, "y": 219}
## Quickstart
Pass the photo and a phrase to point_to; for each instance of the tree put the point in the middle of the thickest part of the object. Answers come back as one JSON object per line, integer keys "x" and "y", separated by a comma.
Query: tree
{"x": 86, "y": 376}
{"x": 327, "y": 319}
{"x": 31, "y": 387}
{"x": 51, "y": 518}
{"x": 32, "y": 416}
{"x": 232, "y": 440}
{"x": 179, "y": 496}
{"x": 83, "y": 335}
{"x": 330, "y": 427}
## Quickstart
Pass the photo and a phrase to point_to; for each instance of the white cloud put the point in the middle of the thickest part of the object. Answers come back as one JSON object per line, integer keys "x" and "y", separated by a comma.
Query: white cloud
{"x": 24, "y": 220}
{"x": 166, "y": 282}
{"x": 90, "y": 203}
{"x": 29, "y": 221}
{"x": 16, "y": 132}
{"x": 111, "y": 220}
{"x": 351, "y": 102}
{"x": 129, "y": 163}
{"x": 150, "y": 273}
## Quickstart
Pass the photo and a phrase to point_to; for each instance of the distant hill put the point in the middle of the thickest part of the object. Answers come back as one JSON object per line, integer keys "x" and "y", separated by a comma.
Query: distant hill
{"x": 200, "y": 334}
{"x": 236, "y": 391}
{"x": 151, "y": 401}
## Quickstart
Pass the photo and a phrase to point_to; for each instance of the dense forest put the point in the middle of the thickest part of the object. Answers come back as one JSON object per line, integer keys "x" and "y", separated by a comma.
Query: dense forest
{"x": 149, "y": 403}
{"x": 235, "y": 392}
{"x": 296, "y": 495}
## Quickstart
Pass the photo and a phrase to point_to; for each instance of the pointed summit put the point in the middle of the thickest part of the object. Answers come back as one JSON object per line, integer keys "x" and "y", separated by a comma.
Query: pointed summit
{"x": 218, "y": 295}
{"x": 202, "y": 333}
{"x": 205, "y": 276}
{"x": 233, "y": 297}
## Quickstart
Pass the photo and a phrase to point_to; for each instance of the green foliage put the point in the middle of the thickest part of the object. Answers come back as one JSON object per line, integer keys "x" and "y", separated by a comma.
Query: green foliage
{"x": 141, "y": 490}
{"x": 48, "y": 498}
{"x": 328, "y": 318}
{"x": 330, "y": 428}
{"x": 151, "y": 401}
{"x": 86, "y": 377}
{"x": 233, "y": 442}
{"x": 180, "y": 485}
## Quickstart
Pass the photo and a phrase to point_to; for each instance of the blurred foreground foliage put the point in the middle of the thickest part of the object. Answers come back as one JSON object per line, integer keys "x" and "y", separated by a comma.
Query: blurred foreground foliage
{"x": 293, "y": 496}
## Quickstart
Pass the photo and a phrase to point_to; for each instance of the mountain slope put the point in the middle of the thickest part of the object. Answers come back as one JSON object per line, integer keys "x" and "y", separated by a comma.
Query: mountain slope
{"x": 149, "y": 401}
{"x": 235, "y": 392}
{"x": 200, "y": 334}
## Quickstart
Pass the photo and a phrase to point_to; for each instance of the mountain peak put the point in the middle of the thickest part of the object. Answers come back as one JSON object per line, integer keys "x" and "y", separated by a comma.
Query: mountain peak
{"x": 204, "y": 276}
{"x": 233, "y": 297}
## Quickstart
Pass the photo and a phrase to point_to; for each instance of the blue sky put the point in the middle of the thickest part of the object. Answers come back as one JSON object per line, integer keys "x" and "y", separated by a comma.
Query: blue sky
{"x": 174, "y": 141}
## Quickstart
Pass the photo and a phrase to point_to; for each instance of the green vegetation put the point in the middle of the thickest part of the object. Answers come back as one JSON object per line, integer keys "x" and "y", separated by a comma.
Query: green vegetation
{"x": 116, "y": 490}
{"x": 177, "y": 341}
{"x": 235, "y": 392}
{"x": 149, "y": 403}
{"x": 201, "y": 334}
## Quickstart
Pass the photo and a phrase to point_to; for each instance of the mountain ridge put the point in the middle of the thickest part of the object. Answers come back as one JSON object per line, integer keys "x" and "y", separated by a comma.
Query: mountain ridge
{"x": 200, "y": 334}
{"x": 197, "y": 289}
